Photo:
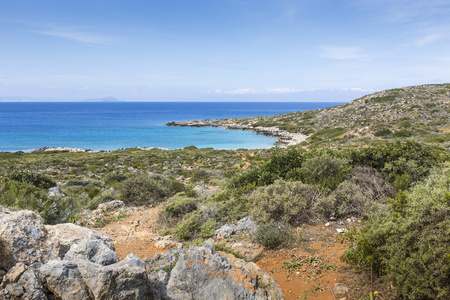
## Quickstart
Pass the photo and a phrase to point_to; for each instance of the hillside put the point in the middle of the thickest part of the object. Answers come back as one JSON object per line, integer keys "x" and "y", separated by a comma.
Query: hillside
{"x": 417, "y": 112}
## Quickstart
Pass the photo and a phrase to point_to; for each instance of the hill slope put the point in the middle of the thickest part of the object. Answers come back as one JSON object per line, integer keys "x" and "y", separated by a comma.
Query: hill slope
{"x": 417, "y": 112}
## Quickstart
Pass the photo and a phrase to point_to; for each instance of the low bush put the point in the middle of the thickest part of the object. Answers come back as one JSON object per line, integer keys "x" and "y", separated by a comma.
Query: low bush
{"x": 36, "y": 179}
{"x": 409, "y": 243}
{"x": 363, "y": 192}
{"x": 143, "y": 188}
{"x": 284, "y": 201}
{"x": 179, "y": 205}
{"x": 273, "y": 235}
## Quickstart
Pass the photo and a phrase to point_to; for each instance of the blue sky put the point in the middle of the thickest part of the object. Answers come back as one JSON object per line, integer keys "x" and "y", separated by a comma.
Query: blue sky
{"x": 220, "y": 50}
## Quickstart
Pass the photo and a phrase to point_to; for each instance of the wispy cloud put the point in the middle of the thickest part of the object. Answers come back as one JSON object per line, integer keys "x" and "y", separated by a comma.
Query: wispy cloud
{"x": 249, "y": 91}
{"x": 75, "y": 35}
{"x": 335, "y": 52}
{"x": 428, "y": 39}
{"x": 361, "y": 90}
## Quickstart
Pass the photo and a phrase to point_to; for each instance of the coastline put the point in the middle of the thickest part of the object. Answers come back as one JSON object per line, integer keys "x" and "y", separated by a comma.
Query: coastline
{"x": 284, "y": 137}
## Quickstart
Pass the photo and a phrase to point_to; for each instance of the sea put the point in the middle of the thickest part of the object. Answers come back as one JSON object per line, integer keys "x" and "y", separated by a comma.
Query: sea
{"x": 27, "y": 126}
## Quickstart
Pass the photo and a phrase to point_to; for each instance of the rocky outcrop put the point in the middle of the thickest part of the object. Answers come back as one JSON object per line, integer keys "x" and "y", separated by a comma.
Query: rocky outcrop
{"x": 284, "y": 137}
{"x": 66, "y": 261}
{"x": 203, "y": 273}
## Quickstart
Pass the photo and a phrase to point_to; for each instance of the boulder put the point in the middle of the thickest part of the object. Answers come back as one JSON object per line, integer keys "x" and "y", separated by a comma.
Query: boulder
{"x": 126, "y": 279}
{"x": 64, "y": 279}
{"x": 22, "y": 238}
{"x": 95, "y": 251}
{"x": 201, "y": 273}
{"x": 243, "y": 224}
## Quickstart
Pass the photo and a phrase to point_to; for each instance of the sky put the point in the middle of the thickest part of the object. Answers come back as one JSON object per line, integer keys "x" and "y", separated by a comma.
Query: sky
{"x": 220, "y": 50}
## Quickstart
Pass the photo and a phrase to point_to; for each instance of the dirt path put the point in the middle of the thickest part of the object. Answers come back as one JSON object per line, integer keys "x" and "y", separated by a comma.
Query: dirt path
{"x": 291, "y": 269}
{"x": 137, "y": 233}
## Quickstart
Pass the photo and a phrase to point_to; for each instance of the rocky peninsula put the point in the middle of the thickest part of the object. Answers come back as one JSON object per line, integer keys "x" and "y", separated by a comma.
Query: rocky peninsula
{"x": 284, "y": 137}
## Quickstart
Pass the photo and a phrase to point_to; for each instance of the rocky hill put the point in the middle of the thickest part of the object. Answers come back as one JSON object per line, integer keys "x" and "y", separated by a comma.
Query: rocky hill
{"x": 417, "y": 112}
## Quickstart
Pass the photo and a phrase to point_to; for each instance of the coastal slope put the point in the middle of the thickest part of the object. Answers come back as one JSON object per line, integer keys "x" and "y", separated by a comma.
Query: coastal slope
{"x": 416, "y": 112}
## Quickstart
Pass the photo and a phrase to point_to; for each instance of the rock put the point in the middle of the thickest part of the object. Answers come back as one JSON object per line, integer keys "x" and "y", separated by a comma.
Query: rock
{"x": 64, "y": 279}
{"x": 63, "y": 236}
{"x": 224, "y": 231}
{"x": 22, "y": 238}
{"x": 327, "y": 224}
{"x": 23, "y": 282}
{"x": 126, "y": 279}
{"x": 332, "y": 219}
{"x": 53, "y": 192}
{"x": 247, "y": 249}
{"x": 340, "y": 289}
{"x": 243, "y": 224}
{"x": 92, "y": 250}
{"x": 201, "y": 273}
{"x": 111, "y": 205}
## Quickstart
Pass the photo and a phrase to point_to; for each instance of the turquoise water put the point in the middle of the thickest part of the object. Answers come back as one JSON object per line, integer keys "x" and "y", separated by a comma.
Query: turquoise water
{"x": 109, "y": 126}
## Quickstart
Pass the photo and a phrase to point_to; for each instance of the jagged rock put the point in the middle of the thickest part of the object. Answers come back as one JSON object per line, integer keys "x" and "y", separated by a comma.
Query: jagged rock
{"x": 53, "y": 192}
{"x": 111, "y": 205}
{"x": 93, "y": 250}
{"x": 201, "y": 273}
{"x": 243, "y": 224}
{"x": 126, "y": 279}
{"x": 63, "y": 236}
{"x": 22, "y": 238}
{"x": 64, "y": 279}
{"x": 23, "y": 282}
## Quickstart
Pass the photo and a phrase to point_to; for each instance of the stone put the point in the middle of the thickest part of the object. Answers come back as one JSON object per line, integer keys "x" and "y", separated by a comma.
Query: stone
{"x": 14, "y": 273}
{"x": 63, "y": 236}
{"x": 243, "y": 224}
{"x": 340, "y": 289}
{"x": 22, "y": 238}
{"x": 92, "y": 250}
{"x": 201, "y": 273}
{"x": 111, "y": 205}
{"x": 64, "y": 279}
{"x": 126, "y": 279}
{"x": 327, "y": 224}
{"x": 53, "y": 192}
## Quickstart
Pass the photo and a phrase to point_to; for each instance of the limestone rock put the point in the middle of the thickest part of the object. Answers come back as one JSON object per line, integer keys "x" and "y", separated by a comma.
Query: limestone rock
{"x": 64, "y": 279}
{"x": 243, "y": 224}
{"x": 126, "y": 279}
{"x": 63, "y": 236}
{"x": 94, "y": 251}
{"x": 201, "y": 273}
{"x": 22, "y": 238}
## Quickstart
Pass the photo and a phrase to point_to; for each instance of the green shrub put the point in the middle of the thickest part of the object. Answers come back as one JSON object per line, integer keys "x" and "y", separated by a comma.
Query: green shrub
{"x": 409, "y": 244}
{"x": 143, "y": 188}
{"x": 115, "y": 178}
{"x": 189, "y": 226}
{"x": 36, "y": 179}
{"x": 325, "y": 170}
{"x": 208, "y": 228}
{"x": 393, "y": 159}
{"x": 363, "y": 192}
{"x": 383, "y": 132}
{"x": 403, "y": 133}
{"x": 24, "y": 195}
{"x": 179, "y": 205}
{"x": 273, "y": 235}
{"x": 284, "y": 201}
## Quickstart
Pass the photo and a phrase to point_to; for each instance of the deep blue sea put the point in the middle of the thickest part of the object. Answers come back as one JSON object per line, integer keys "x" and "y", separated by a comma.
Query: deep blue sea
{"x": 108, "y": 126}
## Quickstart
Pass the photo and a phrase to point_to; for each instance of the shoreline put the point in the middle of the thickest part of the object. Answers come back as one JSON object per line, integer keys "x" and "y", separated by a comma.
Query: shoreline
{"x": 283, "y": 137}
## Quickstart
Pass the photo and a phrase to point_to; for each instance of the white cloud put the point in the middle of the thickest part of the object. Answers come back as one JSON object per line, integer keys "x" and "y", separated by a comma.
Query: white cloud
{"x": 359, "y": 90}
{"x": 428, "y": 39}
{"x": 334, "y": 52}
{"x": 75, "y": 36}
{"x": 250, "y": 91}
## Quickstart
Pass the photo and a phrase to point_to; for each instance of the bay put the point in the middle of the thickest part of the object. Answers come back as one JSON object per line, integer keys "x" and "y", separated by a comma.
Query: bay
{"x": 28, "y": 126}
